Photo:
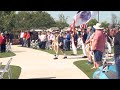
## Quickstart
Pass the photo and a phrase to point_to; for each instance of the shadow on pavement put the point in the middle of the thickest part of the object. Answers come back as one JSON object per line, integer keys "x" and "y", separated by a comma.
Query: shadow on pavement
{"x": 18, "y": 51}
{"x": 43, "y": 78}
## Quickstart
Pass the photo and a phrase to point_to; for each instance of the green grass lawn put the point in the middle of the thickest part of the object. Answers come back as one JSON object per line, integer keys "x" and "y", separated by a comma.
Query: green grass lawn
{"x": 82, "y": 65}
{"x": 7, "y": 54}
{"x": 16, "y": 70}
{"x": 67, "y": 52}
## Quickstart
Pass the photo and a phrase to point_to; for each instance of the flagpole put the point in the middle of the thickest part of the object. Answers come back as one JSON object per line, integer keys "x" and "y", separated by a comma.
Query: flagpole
{"x": 98, "y": 16}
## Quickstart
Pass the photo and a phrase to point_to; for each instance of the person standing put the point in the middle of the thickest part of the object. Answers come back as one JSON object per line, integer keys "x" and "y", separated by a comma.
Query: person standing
{"x": 75, "y": 37}
{"x": 42, "y": 40}
{"x": 68, "y": 37}
{"x": 3, "y": 45}
{"x": 11, "y": 36}
{"x": 84, "y": 37}
{"x": 116, "y": 36}
{"x": 28, "y": 39}
{"x": 1, "y": 40}
{"x": 87, "y": 44}
{"x": 98, "y": 45}
{"x": 24, "y": 38}
{"x": 21, "y": 37}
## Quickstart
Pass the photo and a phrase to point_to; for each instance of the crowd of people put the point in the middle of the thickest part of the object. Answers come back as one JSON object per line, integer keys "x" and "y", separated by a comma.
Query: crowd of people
{"x": 95, "y": 41}
{"x": 85, "y": 38}
{"x": 6, "y": 40}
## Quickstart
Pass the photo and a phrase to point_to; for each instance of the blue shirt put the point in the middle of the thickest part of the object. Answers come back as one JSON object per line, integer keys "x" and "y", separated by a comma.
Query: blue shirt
{"x": 75, "y": 37}
{"x": 68, "y": 36}
{"x": 84, "y": 37}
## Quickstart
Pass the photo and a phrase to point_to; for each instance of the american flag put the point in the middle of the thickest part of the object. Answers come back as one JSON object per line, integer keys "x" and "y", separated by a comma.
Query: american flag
{"x": 83, "y": 26}
{"x": 82, "y": 18}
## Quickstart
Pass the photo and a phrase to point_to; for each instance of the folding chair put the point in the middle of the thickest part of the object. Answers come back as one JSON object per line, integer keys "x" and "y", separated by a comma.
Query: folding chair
{"x": 6, "y": 69}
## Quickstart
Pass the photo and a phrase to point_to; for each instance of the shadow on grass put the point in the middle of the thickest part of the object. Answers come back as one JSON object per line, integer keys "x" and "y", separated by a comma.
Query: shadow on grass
{"x": 16, "y": 71}
{"x": 82, "y": 65}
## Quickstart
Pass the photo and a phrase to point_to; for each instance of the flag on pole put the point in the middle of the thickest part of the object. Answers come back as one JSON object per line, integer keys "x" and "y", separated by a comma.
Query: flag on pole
{"x": 84, "y": 17}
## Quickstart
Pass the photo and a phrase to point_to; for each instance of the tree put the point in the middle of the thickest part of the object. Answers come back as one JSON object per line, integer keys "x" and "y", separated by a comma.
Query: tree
{"x": 92, "y": 22}
{"x": 5, "y": 19}
{"x": 32, "y": 20}
{"x": 62, "y": 22}
{"x": 62, "y": 18}
{"x": 114, "y": 20}
{"x": 105, "y": 24}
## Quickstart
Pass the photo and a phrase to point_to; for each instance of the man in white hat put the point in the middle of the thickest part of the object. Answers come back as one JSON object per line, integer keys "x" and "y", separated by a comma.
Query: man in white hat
{"x": 98, "y": 45}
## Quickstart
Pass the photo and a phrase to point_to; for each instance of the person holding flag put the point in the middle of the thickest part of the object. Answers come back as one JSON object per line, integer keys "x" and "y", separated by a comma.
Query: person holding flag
{"x": 82, "y": 17}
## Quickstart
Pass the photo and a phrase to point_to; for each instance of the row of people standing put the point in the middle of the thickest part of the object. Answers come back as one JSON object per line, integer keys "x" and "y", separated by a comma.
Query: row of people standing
{"x": 25, "y": 38}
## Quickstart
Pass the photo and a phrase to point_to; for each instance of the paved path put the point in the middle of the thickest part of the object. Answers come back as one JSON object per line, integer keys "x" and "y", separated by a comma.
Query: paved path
{"x": 40, "y": 64}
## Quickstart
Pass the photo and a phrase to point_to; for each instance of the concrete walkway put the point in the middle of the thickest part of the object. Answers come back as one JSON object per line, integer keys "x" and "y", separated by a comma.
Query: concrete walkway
{"x": 37, "y": 64}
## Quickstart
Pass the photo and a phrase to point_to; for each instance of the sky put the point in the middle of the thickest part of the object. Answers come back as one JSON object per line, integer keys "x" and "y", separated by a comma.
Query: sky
{"x": 103, "y": 15}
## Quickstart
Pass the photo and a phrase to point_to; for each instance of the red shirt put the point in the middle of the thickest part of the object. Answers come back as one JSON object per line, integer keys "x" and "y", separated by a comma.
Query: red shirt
{"x": 4, "y": 40}
{"x": 28, "y": 35}
{"x": 1, "y": 39}
{"x": 100, "y": 37}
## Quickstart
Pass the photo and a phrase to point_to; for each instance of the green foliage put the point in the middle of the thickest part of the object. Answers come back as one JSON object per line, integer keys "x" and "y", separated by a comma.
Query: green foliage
{"x": 82, "y": 65}
{"x": 61, "y": 25}
{"x": 26, "y": 20}
{"x": 92, "y": 22}
{"x": 105, "y": 24}
{"x": 5, "y": 19}
{"x": 62, "y": 22}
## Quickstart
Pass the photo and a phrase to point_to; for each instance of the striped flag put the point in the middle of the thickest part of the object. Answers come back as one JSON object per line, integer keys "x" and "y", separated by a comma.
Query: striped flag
{"x": 84, "y": 17}
{"x": 83, "y": 26}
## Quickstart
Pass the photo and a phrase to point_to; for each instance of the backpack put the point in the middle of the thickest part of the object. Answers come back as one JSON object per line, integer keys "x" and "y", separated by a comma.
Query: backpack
{"x": 107, "y": 71}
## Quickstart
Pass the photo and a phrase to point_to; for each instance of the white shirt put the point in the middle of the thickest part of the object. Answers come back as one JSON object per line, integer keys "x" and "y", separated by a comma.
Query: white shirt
{"x": 21, "y": 34}
{"x": 51, "y": 37}
{"x": 42, "y": 37}
{"x": 39, "y": 36}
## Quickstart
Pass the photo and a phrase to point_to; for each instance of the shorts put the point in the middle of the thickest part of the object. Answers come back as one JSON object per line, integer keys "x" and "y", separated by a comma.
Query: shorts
{"x": 87, "y": 47}
{"x": 97, "y": 55}
{"x": 61, "y": 47}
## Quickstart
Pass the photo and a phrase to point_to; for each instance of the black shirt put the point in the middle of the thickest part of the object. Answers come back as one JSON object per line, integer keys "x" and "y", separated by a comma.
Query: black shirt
{"x": 117, "y": 44}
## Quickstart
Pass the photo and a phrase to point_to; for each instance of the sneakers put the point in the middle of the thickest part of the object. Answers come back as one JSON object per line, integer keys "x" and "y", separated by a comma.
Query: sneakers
{"x": 65, "y": 57}
{"x": 84, "y": 57}
{"x": 55, "y": 58}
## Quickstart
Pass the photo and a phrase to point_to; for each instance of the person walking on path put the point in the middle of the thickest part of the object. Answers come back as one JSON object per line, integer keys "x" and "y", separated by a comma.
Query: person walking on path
{"x": 58, "y": 45}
